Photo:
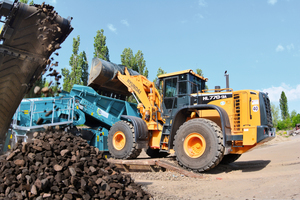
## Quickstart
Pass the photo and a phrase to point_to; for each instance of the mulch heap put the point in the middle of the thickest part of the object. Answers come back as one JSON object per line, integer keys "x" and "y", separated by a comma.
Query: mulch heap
{"x": 62, "y": 166}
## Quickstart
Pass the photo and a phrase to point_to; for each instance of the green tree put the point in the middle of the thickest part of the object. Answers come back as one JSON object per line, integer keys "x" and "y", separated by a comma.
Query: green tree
{"x": 136, "y": 62}
{"x": 79, "y": 66}
{"x": 283, "y": 106}
{"x": 275, "y": 114}
{"x": 84, "y": 66}
{"x": 26, "y": 2}
{"x": 140, "y": 63}
{"x": 199, "y": 72}
{"x": 67, "y": 79}
{"x": 40, "y": 83}
{"x": 100, "y": 48}
{"x": 160, "y": 71}
{"x": 127, "y": 58}
{"x": 295, "y": 119}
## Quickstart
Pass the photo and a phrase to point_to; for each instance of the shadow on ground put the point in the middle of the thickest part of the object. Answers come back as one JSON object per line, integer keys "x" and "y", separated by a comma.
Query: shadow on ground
{"x": 244, "y": 166}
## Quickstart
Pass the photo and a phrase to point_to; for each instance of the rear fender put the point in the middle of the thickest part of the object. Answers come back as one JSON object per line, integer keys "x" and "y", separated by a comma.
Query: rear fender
{"x": 183, "y": 113}
{"x": 140, "y": 130}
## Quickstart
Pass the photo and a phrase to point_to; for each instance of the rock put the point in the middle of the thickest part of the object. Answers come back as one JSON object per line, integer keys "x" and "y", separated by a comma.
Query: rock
{"x": 33, "y": 190}
{"x": 37, "y": 90}
{"x": 37, "y": 148}
{"x": 72, "y": 171}
{"x": 64, "y": 152}
{"x": 45, "y": 90}
{"x": 57, "y": 168}
{"x": 20, "y": 163}
{"x": 92, "y": 169}
{"x": 12, "y": 154}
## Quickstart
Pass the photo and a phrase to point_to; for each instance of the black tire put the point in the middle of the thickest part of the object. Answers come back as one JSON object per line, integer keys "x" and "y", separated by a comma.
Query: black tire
{"x": 230, "y": 158}
{"x": 129, "y": 150}
{"x": 211, "y": 150}
{"x": 154, "y": 153}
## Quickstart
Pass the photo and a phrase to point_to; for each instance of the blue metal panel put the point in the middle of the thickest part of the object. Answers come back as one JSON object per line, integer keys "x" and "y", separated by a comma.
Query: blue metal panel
{"x": 75, "y": 108}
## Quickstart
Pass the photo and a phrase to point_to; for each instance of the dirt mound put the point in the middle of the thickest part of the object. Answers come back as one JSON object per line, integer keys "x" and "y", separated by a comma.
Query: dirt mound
{"x": 61, "y": 166}
{"x": 278, "y": 138}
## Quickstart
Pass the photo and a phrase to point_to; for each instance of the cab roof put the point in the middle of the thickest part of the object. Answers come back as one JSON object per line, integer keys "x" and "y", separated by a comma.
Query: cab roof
{"x": 188, "y": 71}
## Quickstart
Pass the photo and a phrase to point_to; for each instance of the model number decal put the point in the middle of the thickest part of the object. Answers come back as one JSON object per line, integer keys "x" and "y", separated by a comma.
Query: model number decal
{"x": 255, "y": 108}
{"x": 214, "y": 97}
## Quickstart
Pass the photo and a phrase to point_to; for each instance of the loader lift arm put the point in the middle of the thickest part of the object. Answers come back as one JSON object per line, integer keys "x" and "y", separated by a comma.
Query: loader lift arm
{"x": 145, "y": 91}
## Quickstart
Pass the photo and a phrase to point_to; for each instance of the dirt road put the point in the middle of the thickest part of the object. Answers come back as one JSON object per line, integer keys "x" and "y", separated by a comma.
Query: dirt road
{"x": 271, "y": 171}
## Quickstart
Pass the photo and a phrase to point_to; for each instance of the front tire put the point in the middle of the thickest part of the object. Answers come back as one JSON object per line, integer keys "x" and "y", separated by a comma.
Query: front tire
{"x": 121, "y": 141}
{"x": 199, "y": 145}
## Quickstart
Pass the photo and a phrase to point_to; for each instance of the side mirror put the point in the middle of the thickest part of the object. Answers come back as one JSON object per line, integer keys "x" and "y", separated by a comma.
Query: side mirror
{"x": 157, "y": 84}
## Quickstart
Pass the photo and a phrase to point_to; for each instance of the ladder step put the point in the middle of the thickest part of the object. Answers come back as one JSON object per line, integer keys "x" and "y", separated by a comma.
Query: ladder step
{"x": 162, "y": 150}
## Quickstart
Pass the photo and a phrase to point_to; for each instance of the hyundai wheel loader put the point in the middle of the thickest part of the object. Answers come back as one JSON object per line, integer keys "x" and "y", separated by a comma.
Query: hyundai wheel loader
{"x": 203, "y": 127}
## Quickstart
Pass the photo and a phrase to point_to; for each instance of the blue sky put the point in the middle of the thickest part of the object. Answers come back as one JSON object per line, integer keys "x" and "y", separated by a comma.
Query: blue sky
{"x": 256, "y": 41}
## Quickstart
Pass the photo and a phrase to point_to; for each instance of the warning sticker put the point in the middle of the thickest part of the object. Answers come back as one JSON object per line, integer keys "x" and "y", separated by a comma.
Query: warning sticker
{"x": 254, "y": 102}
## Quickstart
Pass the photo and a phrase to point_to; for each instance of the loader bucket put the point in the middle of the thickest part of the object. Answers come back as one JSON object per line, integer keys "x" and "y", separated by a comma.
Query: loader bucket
{"x": 29, "y": 36}
{"x": 103, "y": 78}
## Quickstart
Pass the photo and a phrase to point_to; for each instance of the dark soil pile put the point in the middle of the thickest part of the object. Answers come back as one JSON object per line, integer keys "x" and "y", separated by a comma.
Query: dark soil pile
{"x": 62, "y": 166}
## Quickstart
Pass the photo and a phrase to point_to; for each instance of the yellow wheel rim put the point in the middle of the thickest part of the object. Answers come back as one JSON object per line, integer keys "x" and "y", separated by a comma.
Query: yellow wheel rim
{"x": 194, "y": 145}
{"x": 119, "y": 140}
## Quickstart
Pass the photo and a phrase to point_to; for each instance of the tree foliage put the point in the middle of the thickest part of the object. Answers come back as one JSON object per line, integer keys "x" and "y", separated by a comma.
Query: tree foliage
{"x": 26, "y": 2}
{"x": 100, "y": 48}
{"x": 79, "y": 67}
{"x": 40, "y": 83}
{"x": 199, "y": 72}
{"x": 275, "y": 114}
{"x": 283, "y": 106}
{"x": 82, "y": 61}
{"x": 135, "y": 62}
{"x": 160, "y": 71}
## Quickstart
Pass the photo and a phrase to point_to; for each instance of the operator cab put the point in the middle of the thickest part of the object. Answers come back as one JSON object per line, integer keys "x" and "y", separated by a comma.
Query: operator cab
{"x": 177, "y": 89}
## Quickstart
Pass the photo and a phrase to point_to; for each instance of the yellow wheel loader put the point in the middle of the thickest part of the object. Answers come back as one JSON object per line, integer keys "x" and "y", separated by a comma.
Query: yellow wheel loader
{"x": 203, "y": 127}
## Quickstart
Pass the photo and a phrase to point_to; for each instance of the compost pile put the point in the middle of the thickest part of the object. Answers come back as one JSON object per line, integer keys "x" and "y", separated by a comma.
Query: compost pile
{"x": 60, "y": 165}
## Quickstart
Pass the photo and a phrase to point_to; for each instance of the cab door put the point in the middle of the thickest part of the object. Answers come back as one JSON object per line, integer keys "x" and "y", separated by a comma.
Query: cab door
{"x": 170, "y": 96}
{"x": 175, "y": 94}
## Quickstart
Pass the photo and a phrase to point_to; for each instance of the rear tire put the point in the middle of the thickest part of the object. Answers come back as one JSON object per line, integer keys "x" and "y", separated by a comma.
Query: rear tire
{"x": 121, "y": 141}
{"x": 154, "y": 153}
{"x": 199, "y": 145}
{"x": 230, "y": 158}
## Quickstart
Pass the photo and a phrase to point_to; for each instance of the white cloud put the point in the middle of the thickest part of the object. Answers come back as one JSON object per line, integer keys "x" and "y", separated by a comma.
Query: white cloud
{"x": 290, "y": 47}
{"x": 272, "y": 2}
{"x": 292, "y": 94}
{"x": 112, "y": 28}
{"x": 125, "y": 22}
{"x": 199, "y": 16}
{"x": 279, "y": 48}
{"x": 202, "y": 3}
{"x": 52, "y": 1}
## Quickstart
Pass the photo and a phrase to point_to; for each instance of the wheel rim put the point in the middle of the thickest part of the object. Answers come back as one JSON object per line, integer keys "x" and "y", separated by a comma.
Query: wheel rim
{"x": 119, "y": 140}
{"x": 194, "y": 145}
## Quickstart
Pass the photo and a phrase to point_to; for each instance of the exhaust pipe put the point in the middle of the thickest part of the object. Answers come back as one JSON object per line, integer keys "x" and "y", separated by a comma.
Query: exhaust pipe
{"x": 227, "y": 81}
